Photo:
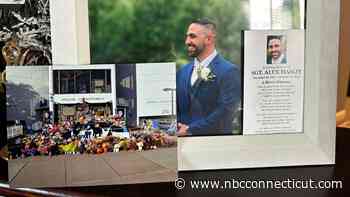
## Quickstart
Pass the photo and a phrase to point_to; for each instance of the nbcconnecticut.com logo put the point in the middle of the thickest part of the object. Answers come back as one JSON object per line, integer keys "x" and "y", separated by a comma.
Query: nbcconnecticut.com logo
{"x": 180, "y": 184}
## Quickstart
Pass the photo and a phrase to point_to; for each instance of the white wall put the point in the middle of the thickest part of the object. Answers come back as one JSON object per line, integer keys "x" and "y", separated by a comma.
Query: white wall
{"x": 70, "y": 31}
{"x": 151, "y": 79}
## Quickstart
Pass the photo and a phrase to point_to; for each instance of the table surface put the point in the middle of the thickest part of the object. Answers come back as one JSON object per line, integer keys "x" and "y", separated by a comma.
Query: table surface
{"x": 338, "y": 172}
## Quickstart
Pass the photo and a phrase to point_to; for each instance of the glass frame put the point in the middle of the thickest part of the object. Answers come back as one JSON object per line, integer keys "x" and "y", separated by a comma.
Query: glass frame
{"x": 316, "y": 145}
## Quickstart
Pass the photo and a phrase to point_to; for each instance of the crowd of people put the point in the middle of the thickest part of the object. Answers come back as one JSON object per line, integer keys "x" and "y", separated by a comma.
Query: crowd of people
{"x": 91, "y": 137}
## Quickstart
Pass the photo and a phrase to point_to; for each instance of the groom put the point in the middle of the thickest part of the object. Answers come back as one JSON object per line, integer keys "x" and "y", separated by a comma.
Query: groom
{"x": 208, "y": 88}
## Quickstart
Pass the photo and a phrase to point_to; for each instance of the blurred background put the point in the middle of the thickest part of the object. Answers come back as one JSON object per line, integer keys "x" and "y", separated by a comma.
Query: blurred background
{"x": 131, "y": 31}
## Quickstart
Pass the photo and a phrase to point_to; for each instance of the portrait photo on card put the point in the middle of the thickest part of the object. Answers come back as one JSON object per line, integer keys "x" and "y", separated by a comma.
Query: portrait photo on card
{"x": 121, "y": 112}
{"x": 276, "y": 47}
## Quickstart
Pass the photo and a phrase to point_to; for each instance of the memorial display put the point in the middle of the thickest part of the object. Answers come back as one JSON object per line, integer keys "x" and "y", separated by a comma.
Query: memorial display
{"x": 304, "y": 136}
{"x": 124, "y": 92}
{"x": 52, "y": 118}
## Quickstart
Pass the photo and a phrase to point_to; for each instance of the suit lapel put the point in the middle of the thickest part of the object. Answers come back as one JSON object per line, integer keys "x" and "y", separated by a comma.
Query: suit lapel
{"x": 213, "y": 63}
{"x": 196, "y": 84}
{"x": 186, "y": 83}
{"x": 212, "y": 66}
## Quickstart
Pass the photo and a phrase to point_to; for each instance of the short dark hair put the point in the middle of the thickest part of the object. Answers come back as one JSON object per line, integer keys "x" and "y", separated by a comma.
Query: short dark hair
{"x": 272, "y": 37}
{"x": 205, "y": 22}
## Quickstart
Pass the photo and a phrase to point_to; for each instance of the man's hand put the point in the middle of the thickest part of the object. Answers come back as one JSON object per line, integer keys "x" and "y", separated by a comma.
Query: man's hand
{"x": 182, "y": 129}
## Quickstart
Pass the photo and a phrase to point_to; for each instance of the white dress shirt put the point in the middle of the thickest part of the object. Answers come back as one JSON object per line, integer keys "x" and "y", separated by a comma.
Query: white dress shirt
{"x": 204, "y": 63}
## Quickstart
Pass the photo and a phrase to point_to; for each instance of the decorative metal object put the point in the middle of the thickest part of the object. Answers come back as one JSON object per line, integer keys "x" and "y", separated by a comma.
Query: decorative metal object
{"x": 29, "y": 41}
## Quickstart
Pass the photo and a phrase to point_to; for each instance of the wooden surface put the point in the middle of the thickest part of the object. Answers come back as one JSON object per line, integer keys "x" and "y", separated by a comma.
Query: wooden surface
{"x": 343, "y": 116}
{"x": 344, "y": 55}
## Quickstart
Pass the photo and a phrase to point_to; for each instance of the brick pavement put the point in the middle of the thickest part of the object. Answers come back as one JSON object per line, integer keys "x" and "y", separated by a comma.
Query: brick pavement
{"x": 123, "y": 167}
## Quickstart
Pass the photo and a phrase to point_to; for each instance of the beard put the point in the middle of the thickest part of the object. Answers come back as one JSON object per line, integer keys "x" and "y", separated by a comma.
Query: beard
{"x": 194, "y": 50}
{"x": 275, "y": 55}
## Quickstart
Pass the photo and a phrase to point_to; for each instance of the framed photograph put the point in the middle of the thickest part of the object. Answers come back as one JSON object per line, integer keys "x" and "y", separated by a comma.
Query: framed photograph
{"x": 102, "y": 149}
{"x": 121, "y": 112}
{"x": 316, "y": 144}
{"x": 86, "y": 141}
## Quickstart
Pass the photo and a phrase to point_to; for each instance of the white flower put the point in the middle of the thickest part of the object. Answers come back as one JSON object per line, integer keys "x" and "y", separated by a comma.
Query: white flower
{"x": 205, "y": 73}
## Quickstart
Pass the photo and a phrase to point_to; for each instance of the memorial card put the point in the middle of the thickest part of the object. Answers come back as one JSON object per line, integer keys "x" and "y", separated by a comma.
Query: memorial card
{"x": 273, "y": 82}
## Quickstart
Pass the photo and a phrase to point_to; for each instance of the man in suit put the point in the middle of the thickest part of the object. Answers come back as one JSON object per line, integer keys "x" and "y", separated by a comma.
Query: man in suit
{"x": 275, "y": 50}
{"x": 208, "y": 88}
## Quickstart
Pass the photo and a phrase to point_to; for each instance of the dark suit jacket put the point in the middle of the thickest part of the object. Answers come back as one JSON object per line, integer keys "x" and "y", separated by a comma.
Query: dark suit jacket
{"x": 207, "y": 106}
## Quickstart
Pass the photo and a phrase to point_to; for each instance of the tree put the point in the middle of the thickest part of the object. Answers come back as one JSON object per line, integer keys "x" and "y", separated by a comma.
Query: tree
{"x": 231, "y": 20}
{"x": 131, "y": 31}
